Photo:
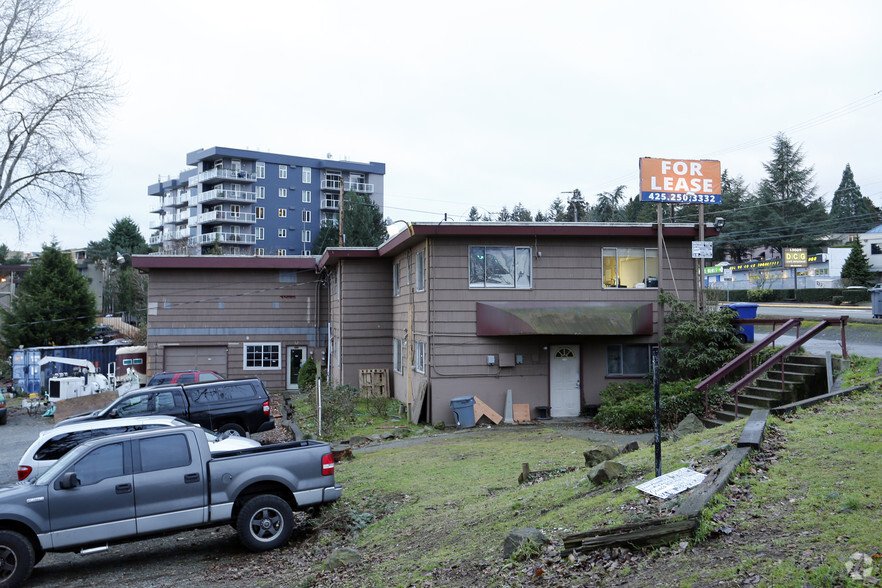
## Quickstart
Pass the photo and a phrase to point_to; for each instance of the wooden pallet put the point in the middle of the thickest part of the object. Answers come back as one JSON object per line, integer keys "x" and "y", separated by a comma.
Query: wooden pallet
{"x": 373, "y": 383}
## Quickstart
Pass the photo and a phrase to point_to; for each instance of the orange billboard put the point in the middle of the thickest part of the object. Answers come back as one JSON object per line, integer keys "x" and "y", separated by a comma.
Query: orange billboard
{"x": 683, "y": 181}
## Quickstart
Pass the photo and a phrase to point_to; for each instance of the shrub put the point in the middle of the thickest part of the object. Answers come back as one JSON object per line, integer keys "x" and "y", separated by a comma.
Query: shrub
{"x": 837, "y": 300}
{"x": 631, "y": 406}
{"x": 760, "y": 295}
{"x": 856, "y": 295}
{"x": 338, "y": 408}
{"x": 306, "y": 377}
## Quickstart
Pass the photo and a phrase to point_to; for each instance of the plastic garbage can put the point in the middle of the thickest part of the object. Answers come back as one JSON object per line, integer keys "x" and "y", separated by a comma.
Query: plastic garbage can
{"x": 745, "y": 310}
{"x": 876, "y": 298}
{"x": 463, "y": 411}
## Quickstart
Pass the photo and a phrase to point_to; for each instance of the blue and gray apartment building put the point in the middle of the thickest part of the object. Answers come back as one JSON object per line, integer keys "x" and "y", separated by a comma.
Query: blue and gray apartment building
{"x": 254, "y": 203}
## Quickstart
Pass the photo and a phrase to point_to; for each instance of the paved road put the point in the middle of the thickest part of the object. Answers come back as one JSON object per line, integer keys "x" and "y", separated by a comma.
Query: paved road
{"x": 863, "y": 334}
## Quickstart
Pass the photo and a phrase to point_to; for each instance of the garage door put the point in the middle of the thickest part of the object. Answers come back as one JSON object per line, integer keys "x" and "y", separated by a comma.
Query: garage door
{"x": 182, "y": 358}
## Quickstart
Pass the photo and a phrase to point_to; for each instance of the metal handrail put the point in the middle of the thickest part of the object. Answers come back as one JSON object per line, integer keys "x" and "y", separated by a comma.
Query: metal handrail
{"x": 779, "y": 356}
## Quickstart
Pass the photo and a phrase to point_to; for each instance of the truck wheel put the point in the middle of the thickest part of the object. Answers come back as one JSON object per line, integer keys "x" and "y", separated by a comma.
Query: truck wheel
{"x": 16, "y": 558}
{"x": 3, "y": 419}
{"x": 265, "y": 522}
{"x": 234, "y": 428}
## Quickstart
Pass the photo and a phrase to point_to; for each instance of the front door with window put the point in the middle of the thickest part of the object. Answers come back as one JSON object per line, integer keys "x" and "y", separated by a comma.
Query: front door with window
{"x": 296, "y": 357}
{"x": 565, "y": 383}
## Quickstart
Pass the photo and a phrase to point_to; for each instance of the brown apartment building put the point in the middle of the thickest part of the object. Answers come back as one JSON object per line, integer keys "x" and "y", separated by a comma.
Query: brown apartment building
{"x": 551, "y": 312}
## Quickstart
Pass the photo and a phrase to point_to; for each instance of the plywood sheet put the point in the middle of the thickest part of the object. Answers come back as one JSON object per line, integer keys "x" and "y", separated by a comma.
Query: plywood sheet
{"x": 521, "y": 413}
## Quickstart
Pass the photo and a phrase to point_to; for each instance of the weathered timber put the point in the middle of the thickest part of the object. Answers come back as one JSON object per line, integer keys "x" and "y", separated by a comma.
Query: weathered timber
{"x": 752, "y": 434}
{"x": 652, "y": 532}
{"x": 713, "y": 483}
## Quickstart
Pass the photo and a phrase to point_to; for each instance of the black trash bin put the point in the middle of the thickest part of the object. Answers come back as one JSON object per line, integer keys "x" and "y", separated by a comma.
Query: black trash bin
{"x": 745, "y": 310}
{"x": 463, "y": 411}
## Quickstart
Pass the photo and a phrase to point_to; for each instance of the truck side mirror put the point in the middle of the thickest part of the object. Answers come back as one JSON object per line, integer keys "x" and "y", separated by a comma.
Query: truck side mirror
{"x": 68, "y": 480}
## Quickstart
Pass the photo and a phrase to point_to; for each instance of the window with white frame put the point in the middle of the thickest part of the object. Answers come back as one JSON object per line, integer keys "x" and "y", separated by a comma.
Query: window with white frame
{"x": 262, "y": 356}
{"x": 419, "y": 269}
{"x": 259, "y": 211}
{"x": 282, "y": 252}
{"x": 500, "y": 267}
{"x": 283, "y": 192}
{"x": 258, "y": 251}
{"x": 419, "y": 356}
{"x": 260, "y": 168}
{"x": 396, "y": 279}
{"x": 396, "y": 356}
{"x": 306, "y": 216}
{"x": 630, "y": 267}
{"x": 307, "y": 175}
{"x": 306, "y": 236}
{"x": 307, "y": 196}
{"x": 283, "y": 233}
{"x": 306, "y": 252}
{"x": 628, "y": 360}
{"x": 283, "y": 213}
{"x": 283, "y": 172}
{"x": 258, "y": 234}
{"x": 260, "y": 192}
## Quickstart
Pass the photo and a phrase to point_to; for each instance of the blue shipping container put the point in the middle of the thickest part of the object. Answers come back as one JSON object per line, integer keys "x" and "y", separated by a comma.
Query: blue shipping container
{"x": 31, "y": 378}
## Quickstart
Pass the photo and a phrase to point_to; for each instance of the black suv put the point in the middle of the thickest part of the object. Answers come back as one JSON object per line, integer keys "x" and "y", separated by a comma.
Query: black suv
{"x": 241, "y": 406}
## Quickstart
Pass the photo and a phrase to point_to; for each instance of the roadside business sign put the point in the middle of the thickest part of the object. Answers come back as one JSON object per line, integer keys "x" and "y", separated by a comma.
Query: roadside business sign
{"x": 682, "y": 181}
{"x": 795, "y": 257}
{"x": 702, "y": 250}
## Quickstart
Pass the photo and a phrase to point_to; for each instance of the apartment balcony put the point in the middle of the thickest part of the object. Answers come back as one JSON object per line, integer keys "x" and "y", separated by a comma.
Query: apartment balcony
{"x": 223, "y": 239}
{"x": 225, "y": 216}
{"x": 330, "y": 204}
{"x": 226, "y": 196}
{"x": 219, "y": 174}
{"x": 331, "y": 185}
{"x": 359, "y": 187}
{"x": 155, "y": 225}
{"x": 155, "y": 239}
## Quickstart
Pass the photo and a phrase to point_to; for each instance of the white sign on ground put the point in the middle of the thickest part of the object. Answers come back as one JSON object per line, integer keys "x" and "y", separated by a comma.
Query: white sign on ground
{"x": 672, "y": 483}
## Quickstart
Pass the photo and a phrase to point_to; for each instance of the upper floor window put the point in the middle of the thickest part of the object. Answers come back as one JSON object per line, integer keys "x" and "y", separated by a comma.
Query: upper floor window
{"x": 306, "y": 252}
{"x": 307, "y": 196}
{"x": 282, "y": 252}
{"x": 283, "y": 172}
{"x": 260, "y": 169}
{"x": 259, "y": 212}
{"x": 258, "y": 233}
{"x": 262, "y": 356}
{"x": 283, "y": 233}
{"x": 307, "y": 175}
{"x": 258, "y": 251}
{"x": 283, "y": 213}
{"x": 419, "y": 270}
{"x": 261, "y": 192}
{"x": 306, "y": 216}
{"x": 396, "y": 355}
{"x": 630, "y": 267}
{"x": 306, "y": 236}
{"x": 283, "y": 192}
{"x": 500, "y": 267}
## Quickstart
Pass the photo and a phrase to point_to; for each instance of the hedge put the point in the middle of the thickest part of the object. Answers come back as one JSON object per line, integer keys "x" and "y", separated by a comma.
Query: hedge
{"x": 812, "y": 295}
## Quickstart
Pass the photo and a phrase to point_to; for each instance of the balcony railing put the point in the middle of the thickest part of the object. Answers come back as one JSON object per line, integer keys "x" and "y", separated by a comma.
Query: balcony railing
{"x": 224, "y": 238}
{"x": 330, "y": 204}
{"x": 225, "y": 216}
{"x": 225, "y": 196}
{"x": 155, "y": 239}
{"x": 219, "y": 174}
{"x": 331, "y": 185}
{"x": 358, "y": 187}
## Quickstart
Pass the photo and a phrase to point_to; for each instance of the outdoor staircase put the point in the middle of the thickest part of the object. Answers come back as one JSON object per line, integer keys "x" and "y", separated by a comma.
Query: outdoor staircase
{"x": 804, "y": 376}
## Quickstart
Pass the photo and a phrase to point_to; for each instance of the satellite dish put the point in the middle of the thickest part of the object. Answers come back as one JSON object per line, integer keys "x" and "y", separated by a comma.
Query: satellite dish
{"x": 329, "y": 156}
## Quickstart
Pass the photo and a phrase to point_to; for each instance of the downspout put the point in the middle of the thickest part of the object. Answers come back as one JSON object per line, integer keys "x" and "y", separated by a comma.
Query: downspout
{"x": 429, "y": 337}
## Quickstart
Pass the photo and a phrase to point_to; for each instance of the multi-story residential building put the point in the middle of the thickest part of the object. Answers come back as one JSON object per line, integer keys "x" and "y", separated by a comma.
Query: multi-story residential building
{"x": 242, "y": 202}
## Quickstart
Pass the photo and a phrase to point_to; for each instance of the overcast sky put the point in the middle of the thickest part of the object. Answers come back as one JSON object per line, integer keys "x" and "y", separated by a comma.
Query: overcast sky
{"x": 482, "y": 103}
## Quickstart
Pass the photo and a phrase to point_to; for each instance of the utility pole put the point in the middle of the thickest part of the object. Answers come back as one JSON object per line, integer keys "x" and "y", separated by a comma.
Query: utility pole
{"x": 575, "y": 201}
{"x": 342, "y": 239}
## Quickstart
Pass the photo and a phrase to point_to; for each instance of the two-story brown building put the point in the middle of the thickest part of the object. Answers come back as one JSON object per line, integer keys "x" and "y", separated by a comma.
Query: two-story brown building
{"x": 552, "y": 312}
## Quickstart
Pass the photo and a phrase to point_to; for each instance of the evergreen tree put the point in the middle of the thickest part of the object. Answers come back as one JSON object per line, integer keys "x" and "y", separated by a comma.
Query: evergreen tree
{"x": 53, "y": 304}
{"x": 789, "y": 212}
{"x": 125, "y": 290}
{"x": 607, "y": 209}
{"x": 521, "y": 214}
{"x": 738, "y": 208}
{"x": 557, "y": 213}
{"x": 363, "y": 225}
{"x": 577, "y": 210}
{"x": 474, "y": 215}
{"x": 856, "y": 269}
{"x": 850, "y": 212}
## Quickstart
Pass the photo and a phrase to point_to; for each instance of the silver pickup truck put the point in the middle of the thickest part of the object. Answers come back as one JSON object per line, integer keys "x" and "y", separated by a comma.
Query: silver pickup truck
{"x": 137, "y": 485}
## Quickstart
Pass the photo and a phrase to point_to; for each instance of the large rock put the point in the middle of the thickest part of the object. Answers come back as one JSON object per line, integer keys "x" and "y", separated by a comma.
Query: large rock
{"x": 342, "y": 556}
{"x": 605, "y": 472}
{"x": 689, "y": 425}
{"x": 599, "y": 454}
{"x": 522, "y": 537}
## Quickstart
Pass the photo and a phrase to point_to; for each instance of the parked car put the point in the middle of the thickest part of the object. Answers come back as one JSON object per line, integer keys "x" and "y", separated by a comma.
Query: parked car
{"x": 186, "y": 377}
{"x": 2, "y": 408}
{"x": 54, "y": 443}
{"x": 241, "y": 406}
{"x": 137, "y": 485}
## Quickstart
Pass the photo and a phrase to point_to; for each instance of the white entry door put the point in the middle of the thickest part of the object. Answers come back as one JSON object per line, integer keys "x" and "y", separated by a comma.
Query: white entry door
{"x": 296, "y": 357}
{"x": 566, "y": 389}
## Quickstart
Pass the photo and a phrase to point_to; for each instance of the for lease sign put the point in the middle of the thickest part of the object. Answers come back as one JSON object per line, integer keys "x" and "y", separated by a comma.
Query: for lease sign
{"x": 684, "y": 181}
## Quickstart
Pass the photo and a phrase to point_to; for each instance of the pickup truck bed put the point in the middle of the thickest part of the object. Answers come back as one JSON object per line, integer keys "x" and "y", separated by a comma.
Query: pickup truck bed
{"x": 137, "y": 485}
